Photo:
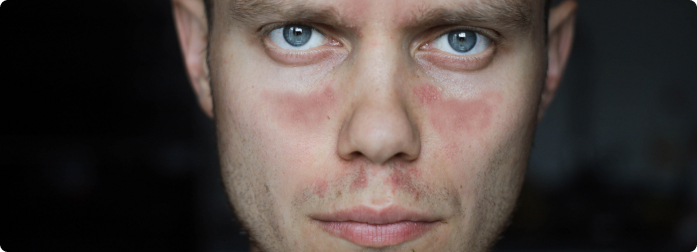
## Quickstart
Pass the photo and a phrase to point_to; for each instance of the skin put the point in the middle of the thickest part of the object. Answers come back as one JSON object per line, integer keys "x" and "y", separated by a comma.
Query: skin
{"x": 375, "y": 117}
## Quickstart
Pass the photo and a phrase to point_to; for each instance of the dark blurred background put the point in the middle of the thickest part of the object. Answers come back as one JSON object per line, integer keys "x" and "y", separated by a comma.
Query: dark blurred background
{"x": 103, "y": 147}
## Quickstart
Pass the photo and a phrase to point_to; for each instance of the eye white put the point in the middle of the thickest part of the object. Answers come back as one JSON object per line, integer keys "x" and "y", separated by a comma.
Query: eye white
{"x": 316, "y": 39}
{"x": 442, "y": 43}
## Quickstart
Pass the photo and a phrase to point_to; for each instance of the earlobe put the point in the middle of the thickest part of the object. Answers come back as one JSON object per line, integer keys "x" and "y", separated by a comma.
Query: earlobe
{"x": 192, "y": 29}
{"x": 561, "y": 35}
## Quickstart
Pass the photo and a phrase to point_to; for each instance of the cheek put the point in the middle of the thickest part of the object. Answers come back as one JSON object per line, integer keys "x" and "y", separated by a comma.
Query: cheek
{"x": 458, "y": 122}
{"x": 294, "y": 134}
{"x": 469, "y": 117}
{"x": 320, "y": 187}
{"x": 454, "y": 117}
{"x": 297, "y": 124}
{"x": 301, "y": 112}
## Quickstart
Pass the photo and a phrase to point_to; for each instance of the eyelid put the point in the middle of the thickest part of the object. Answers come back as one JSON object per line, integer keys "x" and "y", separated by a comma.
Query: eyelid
{"x": 493, "y": 36}
{"x": 330, "y": 47}
{"x": 265, "y": 30}
{"x": 425, "y": 50}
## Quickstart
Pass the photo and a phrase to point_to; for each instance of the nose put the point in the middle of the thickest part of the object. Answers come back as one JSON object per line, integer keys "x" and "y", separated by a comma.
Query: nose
{"x": 380, "y": 127}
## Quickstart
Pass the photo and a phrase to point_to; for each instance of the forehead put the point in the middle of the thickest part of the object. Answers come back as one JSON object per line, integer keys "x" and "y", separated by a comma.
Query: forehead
{"x": 398, "y": 12}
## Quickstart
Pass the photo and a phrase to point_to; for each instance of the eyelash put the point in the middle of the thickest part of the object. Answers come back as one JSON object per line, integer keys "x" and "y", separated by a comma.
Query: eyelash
{"x": 265, "y": 30}
{"x": 493, "y": 36}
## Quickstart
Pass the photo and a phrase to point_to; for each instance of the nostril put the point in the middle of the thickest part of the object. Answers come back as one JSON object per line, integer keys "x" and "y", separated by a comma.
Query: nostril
{"x": 403, "y": 155}
{"x": 355, "y": 154}
{"x": 378, "y": 142}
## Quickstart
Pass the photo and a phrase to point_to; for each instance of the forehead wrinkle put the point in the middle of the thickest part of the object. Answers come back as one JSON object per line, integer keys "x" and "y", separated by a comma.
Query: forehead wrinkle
{"x": 255, "y": 12}
{"x": 508, "y": 13}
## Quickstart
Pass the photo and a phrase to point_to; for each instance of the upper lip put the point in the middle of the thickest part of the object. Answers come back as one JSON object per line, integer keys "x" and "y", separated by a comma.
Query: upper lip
{"x": 369, "y": 215}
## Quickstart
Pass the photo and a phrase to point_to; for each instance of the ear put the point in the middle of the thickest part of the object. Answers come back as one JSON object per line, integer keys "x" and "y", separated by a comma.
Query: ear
{"x": 192, "y": 27}
{"x": 560, "y": 39}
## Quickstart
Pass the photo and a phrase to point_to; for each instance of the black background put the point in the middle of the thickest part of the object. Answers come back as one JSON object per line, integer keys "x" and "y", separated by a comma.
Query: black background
{"x": 103, "y": 147}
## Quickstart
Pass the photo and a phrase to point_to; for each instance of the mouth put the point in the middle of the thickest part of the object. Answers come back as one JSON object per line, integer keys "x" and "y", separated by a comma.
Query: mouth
{"x": 370, "y": 227}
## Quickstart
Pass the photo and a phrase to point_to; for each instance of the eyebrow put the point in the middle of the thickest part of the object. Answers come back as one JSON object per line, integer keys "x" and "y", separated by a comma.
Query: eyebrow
{"x": 515, "y": 14}
{"x": 256, "y": 12}
{"x": 505, "y": 13}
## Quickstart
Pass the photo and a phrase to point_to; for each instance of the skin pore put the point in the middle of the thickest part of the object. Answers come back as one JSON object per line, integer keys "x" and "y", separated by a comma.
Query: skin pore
{"x": 374, "y": 136}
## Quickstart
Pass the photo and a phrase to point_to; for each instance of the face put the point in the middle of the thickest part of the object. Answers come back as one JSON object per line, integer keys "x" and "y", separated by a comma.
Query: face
{"x": 360, "y": 125}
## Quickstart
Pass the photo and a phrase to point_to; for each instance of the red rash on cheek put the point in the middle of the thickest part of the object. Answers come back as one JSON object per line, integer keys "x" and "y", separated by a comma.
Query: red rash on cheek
{"x": 453, "y": 116}
{"x": 321, "y": 188}
{"x": 299, "y": 117}
{"x": 427, "y": 94}
{"x": 303, "y": 111}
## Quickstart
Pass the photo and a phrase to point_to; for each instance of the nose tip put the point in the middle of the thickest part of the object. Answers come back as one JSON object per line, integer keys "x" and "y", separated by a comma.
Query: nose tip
{"x": 379, "y": 132}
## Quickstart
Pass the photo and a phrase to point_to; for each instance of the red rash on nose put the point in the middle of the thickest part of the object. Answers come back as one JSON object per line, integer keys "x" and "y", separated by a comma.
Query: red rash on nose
{"x": 451, "y": 117}
{"x": 303, "y": 111}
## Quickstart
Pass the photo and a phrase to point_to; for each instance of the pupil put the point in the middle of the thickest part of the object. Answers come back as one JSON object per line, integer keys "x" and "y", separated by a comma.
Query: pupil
{"x": 462, "y": 40}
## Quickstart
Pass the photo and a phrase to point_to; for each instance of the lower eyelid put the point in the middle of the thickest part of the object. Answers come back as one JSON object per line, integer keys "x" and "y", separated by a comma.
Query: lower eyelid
{"x": 302, "y": 57}
{"x": 456, "y": 62}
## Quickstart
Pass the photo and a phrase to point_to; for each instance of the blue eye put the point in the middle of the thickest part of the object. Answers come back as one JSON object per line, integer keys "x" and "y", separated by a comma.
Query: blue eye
{"x": 297, "y": 37}
{"x": 462, "y": 42}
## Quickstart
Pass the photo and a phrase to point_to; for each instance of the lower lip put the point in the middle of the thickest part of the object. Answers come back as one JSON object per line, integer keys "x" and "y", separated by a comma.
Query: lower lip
{"x": 370, "y": 235}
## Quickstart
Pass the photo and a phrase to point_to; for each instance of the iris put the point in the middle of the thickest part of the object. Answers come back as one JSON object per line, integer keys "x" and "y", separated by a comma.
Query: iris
{"x": 462, "y": 40}
{"x": 297, "y": 35}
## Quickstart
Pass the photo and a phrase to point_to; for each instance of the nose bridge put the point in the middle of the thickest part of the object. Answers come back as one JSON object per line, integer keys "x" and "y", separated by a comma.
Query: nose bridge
{"x": 380, "y": 67}
{"x": 377, "y": 61}
{"x": 379, "y": 127}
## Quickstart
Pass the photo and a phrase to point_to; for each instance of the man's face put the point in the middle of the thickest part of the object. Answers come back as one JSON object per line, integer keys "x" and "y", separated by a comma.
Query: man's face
{"x": 361, "y": 125}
